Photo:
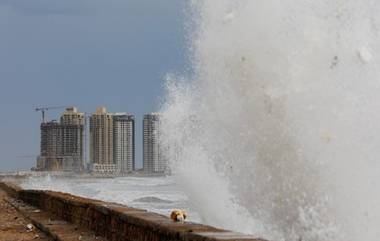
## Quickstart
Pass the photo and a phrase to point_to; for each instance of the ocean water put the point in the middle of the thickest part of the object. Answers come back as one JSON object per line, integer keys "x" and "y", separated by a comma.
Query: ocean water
{"x": 156, "y": 194}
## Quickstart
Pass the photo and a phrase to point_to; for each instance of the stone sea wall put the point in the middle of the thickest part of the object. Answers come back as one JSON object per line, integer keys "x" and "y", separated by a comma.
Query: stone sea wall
{"x": 118, "y": 222}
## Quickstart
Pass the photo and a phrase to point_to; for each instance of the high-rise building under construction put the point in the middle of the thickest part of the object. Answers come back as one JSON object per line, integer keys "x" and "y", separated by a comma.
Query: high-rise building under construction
{"x": 50, "y": 147}
{"x": 73, "y": 127}
{"x": 62, "y": 143}
{"x": 112, "y": 142}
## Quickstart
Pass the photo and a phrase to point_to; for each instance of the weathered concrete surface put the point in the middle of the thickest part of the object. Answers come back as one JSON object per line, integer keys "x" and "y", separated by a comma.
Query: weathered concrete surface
{"x": 13, "y": 224}
{"x": 52, "y": 226}
{"x": 117, "y": 222}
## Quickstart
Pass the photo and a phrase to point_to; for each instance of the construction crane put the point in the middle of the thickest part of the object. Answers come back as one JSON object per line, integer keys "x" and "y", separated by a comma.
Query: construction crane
{"x": 43, "y": 109}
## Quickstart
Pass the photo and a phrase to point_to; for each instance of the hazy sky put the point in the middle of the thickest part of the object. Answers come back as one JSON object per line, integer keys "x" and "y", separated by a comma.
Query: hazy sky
{"x": 84, "y": 53}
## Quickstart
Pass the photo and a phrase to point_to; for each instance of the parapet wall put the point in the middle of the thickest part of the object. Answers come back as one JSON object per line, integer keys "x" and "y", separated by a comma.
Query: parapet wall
{"x": 118, "y": 222}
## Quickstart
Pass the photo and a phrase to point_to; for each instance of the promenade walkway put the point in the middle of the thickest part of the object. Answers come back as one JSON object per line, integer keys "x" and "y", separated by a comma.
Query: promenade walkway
{"x": 13, "y": 226}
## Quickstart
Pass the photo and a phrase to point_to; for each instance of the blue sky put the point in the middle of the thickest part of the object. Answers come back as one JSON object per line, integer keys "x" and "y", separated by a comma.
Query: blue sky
{"x": 85, "y": 53}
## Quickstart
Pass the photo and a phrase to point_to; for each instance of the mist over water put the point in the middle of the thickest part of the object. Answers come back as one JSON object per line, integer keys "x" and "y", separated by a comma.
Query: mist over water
{"x": 277, "y": 131}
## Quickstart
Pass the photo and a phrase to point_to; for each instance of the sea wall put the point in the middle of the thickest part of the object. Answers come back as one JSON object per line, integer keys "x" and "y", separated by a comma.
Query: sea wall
{"x": 118, "y": 222}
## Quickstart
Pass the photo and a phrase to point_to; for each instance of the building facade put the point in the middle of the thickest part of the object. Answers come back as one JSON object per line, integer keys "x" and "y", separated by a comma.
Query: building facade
{"x": 124, "y": 142}
{"x": 101, "y": 141}
{"x": 154, "y": 161}
{"x": 51, "y": 139}
{"x": 62, "y": 143}
{"x": 112, "y": 142}
{"x": 73, "y": 127}
{"x": 50, "y": 147}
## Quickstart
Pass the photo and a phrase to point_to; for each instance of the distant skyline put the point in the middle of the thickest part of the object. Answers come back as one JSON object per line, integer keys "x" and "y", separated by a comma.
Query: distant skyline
{"x": 85, "y": 53}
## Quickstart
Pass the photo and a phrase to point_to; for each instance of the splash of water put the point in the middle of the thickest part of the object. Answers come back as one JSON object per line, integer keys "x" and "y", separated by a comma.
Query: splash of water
{"x": 275, "y": 134}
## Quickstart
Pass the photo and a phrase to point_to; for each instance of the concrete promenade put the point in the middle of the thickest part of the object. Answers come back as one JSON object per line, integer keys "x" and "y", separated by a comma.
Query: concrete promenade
{"x": 64, "y": 217}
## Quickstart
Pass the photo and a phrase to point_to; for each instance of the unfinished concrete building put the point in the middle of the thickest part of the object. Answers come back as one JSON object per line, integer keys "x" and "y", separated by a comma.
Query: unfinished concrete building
{"x": 73, "y": 127}
{"x": 51, "y": 147}
{"x": 62, "y": 143}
